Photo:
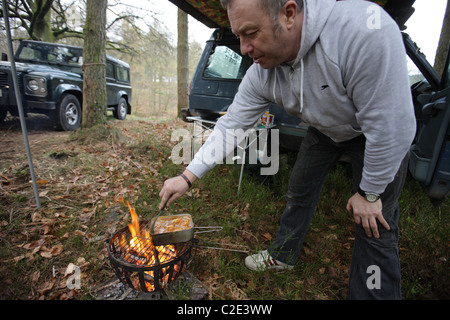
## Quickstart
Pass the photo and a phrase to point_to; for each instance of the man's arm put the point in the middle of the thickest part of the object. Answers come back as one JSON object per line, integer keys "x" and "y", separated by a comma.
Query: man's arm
{"x": 377, "y": 80}
{"x": 247, "y": 107}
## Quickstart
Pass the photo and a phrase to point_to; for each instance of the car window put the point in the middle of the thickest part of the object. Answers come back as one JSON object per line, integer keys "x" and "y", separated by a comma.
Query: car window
{"x": 53, "y": 54}
{"x": 123, "y": 74}
{"x": 413, "y": 72}
{"x": 109, "y": 70}
{"x": 225, "y": 62}
{"x": 30, "y": 54}
{"x": 64, "y": 55}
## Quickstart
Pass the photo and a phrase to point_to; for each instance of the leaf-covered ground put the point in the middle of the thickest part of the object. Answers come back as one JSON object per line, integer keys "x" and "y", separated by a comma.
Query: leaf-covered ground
{"x": 84, "y": 178}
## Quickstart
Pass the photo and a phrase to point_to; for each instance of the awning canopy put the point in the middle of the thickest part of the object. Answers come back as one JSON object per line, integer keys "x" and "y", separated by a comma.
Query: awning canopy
{"x": 211, "y": 13}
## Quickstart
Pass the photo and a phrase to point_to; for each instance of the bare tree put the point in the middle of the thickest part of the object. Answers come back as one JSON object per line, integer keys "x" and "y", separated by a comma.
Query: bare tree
{"x": 182, "y": 60}
{"x": 51, "y": 20}
{"x": 94, "y": 54}
{"x": 43, "y": 20}
{"x": 444, "y": 41}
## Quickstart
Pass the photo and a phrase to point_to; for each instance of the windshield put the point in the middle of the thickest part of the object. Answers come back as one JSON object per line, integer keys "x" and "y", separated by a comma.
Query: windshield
{"x": 226, "y": 62}
{"x": 43, "y": 53}
{"x": 413, "y": 72}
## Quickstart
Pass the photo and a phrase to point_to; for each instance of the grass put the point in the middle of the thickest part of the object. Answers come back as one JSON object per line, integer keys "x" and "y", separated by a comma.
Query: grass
{"x": 84, "y": 179}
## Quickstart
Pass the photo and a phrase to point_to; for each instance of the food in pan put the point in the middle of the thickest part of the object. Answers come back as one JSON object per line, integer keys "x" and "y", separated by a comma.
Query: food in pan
{"x": 173, "y": 223}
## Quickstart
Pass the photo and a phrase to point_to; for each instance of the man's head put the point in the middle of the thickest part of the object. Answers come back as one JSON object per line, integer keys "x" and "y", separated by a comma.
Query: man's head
{"x": 269, "y": 30}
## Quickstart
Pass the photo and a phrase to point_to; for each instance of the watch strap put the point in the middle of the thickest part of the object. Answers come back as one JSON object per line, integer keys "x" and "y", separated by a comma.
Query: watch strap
{"x": 369, "y": 196}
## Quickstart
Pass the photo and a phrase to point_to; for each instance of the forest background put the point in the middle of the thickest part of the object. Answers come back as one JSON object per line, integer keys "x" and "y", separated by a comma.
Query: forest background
{"x": 135, "y": 34}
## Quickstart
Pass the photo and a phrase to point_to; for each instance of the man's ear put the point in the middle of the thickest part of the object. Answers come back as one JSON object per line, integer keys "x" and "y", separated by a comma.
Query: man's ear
{"x": 289, "y": 13}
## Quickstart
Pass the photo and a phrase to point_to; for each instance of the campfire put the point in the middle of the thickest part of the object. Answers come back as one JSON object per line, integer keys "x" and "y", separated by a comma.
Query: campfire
{"x": 139, "y": 263}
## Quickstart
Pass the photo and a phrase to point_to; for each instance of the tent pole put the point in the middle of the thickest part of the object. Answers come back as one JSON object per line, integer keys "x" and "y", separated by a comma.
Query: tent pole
{"x": 19, "y": 102}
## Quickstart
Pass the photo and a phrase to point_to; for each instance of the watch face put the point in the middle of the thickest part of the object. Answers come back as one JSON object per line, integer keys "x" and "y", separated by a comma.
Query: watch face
{"x": 371, "y": 197}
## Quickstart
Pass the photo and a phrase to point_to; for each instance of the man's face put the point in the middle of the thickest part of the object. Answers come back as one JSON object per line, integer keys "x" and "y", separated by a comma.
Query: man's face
{"x": 255, "y": 29}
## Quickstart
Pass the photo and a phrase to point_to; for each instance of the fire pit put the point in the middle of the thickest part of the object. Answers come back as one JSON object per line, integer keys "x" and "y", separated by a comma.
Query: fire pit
{"x": 147, "y": 266}
{"x": 142, "y": 265}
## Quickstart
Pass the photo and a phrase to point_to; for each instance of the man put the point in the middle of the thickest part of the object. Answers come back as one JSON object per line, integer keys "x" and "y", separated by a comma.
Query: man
{"x": 341, "y": 67}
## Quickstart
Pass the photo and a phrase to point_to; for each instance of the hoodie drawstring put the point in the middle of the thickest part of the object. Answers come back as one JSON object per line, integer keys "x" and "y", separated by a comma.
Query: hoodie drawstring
{"x": 274, "y": 87}
{"x": 301, "y": 84}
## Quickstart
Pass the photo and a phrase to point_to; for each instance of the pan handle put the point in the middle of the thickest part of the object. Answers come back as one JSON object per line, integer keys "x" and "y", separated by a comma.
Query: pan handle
{"x": 220, "y": 246}
{"x": 207, "y": 229}
{"x": 152, "y": 230}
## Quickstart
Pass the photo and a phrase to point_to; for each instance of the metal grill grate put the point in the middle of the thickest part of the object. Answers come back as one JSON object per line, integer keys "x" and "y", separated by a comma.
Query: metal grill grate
{"x": 145, "y": 267}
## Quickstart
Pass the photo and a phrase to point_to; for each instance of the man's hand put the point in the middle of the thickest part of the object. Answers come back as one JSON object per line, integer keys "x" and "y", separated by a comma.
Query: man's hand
{"x": 174, "y": 188}
{"x": 366, "y": 214}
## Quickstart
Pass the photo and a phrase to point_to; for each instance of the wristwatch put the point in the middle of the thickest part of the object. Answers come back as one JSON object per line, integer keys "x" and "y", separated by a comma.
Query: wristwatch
{"x": 369, "y": 196}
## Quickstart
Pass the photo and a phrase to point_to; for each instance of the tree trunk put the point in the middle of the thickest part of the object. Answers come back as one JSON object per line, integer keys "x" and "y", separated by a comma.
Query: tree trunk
{"x": 94, "y": 55}
{"x": 444, "y": 41}
{"x": 40, "y": 27}
{"x": 182, "y": 61}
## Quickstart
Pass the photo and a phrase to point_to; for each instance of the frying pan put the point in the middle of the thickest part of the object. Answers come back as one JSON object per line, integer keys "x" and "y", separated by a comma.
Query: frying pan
{"x": 161, "y": 239}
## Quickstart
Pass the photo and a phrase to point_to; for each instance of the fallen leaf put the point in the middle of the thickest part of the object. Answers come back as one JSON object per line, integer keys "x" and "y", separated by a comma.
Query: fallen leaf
{"x": 34, "y": 244}
{"x": 56, "y": 250}
{"x": 43, "y": 193}
{"x": 45, "y": 254}
{"x": 60, "y": 197}
{"x": 267, "y": 236}
{"x": 35, "y": 276}
{"x": 79, "y": 232}
{"x": 36, "y": 217}
{"x": 46, "y": 229}
{"x": 331, "y": 237}
{"x": 18, "y": 258}
{"x": 46, "y": 287}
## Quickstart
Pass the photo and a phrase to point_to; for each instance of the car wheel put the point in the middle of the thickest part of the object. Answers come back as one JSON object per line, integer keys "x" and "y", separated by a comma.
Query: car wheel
{"x": 68, "y": 113}
{"x": 121, "y": 110}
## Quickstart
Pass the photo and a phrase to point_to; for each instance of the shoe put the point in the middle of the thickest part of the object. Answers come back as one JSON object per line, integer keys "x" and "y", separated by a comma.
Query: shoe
{"x": 262, "y": 261}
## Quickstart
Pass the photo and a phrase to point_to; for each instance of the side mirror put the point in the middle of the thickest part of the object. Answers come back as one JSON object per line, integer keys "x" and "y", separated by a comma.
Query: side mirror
{"x": 4, "y": 57}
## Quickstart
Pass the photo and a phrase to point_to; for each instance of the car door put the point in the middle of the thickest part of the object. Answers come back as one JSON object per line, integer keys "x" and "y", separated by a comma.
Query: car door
{"x": 110, "y": 84}
{"x": 430, "y": 152}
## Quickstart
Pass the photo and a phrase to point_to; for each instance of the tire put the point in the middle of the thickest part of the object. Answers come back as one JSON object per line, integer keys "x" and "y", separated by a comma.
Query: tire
{"x": 120, "y": 112}
{"x": 68, "y": 113}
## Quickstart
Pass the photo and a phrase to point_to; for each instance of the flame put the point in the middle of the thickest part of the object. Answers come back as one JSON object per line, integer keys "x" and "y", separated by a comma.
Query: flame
{"x": 134, "y": 226}
{"x": 150, "y": 255}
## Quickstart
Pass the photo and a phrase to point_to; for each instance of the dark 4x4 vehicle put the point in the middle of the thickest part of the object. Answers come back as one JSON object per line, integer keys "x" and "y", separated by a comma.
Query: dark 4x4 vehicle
{"x": 51, "y": 83}
{"x": 222, "y": 67}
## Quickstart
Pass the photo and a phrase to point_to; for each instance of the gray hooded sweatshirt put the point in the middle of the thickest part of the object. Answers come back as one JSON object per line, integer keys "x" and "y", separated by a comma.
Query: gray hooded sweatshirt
{"x": 349, "y": 78}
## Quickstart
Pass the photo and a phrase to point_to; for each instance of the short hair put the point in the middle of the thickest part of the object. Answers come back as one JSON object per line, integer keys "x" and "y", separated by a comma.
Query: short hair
{"x": 272, "y": 7}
